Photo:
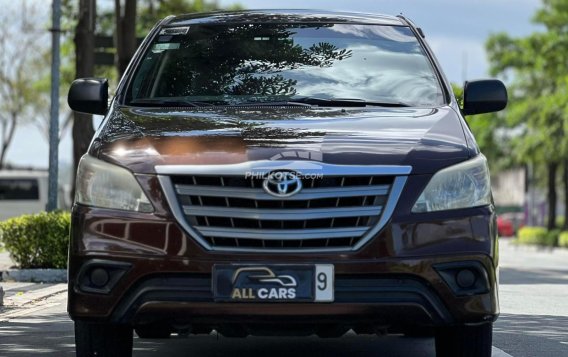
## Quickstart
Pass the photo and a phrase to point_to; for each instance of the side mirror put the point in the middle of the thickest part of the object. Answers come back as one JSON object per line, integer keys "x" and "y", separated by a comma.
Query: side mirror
{"x": 484, "y": 96}
{"x": 89, "y": 95}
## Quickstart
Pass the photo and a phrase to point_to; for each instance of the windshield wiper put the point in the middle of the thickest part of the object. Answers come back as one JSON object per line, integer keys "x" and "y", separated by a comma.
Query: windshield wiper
{"x": 149, "y": 102}
{"x": 346, "y": 102}
{"x": 301, "y": 101}
{"x": 272, "y": 103}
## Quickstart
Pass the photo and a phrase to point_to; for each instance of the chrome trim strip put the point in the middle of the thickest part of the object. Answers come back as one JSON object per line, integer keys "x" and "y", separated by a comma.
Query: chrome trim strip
{"x": 175, "y": 207}
{"x": 263, "y": 167}
{"x": 282, "y": 214}
{"x": 282, "y": 234}
{"x": 392, "y": 201}
{"x": 259, "y": 194}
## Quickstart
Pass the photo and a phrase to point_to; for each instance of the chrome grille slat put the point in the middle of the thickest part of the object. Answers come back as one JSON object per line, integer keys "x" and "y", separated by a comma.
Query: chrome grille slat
{"x": 224, "y": 210}
{"x": 282, "y": 214}
{"x": 258, "y": 194}
{"x": 281, "y": 234}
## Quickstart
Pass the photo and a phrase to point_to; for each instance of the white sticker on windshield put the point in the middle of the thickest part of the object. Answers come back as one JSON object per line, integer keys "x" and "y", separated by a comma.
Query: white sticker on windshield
{"x": 175, "y": 30}
{"x": 159, "y": 47}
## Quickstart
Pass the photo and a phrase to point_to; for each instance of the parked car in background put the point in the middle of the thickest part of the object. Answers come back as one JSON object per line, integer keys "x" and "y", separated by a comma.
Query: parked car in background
{"x": 22, "y": 192}
{"x": 505, "y": 227}
{"x": 509, "y": 223}
{"x": 283, "y": 172}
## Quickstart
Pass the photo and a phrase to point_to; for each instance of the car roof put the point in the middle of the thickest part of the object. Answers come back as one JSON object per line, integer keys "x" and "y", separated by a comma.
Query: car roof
{"x": 283, "y": 16}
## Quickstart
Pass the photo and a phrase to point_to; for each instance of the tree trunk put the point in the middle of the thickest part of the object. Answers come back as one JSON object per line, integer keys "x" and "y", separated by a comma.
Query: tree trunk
{"x": 83, "y": 130}
{"x": 565, "y": 184}
{"x": 7, "y": 139}
{"x": 125, "y": 40}
{"x": 552, "y": 197}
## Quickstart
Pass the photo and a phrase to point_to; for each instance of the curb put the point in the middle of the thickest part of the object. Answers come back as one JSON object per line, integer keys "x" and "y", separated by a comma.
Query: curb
{"x": 35, "y": 275}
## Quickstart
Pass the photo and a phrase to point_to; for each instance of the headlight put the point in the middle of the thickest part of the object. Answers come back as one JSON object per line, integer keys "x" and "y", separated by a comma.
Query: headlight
{"x": 460, "y": 186}
{"x": 104, "y": 185}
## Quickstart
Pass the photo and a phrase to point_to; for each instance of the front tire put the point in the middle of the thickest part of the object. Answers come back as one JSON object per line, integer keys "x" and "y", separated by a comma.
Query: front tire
{"x": 102, "y": 340}
{"x": 464, "y": 341}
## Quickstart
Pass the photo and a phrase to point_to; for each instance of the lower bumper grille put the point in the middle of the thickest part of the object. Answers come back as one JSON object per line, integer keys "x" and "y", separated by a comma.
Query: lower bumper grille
{"x": 396, "y": 298}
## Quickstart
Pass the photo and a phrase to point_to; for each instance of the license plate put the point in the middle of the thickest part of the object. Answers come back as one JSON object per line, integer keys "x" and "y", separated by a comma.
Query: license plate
{"x": 273, "y": 283}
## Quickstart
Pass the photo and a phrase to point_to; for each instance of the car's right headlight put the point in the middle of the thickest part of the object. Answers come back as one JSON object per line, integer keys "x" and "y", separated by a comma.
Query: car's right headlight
{"x": 101, "y": 184}
{"x": 463, "y": 185}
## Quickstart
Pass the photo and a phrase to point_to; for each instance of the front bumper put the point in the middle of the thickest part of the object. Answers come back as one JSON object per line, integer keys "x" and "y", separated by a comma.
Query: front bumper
{"x": 393, "y": 281}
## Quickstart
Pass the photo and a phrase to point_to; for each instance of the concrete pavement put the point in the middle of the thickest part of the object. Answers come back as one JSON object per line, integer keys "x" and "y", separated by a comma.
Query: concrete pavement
{"x": 534, "y": 301}
{"x": 49, "y": 332}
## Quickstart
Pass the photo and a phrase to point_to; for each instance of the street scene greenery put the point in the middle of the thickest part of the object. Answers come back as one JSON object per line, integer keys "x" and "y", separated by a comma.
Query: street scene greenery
{"x": 531, "y": 133}
{"x": 563, "y": 239}
{"x": 37, "y": 241}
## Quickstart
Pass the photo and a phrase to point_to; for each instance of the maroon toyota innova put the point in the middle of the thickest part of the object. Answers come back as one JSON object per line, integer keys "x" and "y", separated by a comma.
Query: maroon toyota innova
{"x": 283, "y": 172}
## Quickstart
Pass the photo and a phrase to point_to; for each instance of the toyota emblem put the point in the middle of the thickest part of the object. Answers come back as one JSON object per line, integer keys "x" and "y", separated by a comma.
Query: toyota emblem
{"x": 282, "y": 183}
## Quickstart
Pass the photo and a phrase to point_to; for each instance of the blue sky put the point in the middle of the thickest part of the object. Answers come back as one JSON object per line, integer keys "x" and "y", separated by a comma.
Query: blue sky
{"x": 456, "y": 31}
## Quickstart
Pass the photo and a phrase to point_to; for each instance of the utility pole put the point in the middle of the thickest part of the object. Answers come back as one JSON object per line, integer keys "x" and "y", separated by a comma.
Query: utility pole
{"x": 54, "y": 112}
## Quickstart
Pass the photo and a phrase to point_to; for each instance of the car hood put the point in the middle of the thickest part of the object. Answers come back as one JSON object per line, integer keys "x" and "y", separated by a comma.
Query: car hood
{"x": 141, "y": 138}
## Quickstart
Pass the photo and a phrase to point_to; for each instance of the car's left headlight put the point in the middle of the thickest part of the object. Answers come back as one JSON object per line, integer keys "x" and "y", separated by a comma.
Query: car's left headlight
{"x": 464, "y": 185}
{"x": 104, "y": 185}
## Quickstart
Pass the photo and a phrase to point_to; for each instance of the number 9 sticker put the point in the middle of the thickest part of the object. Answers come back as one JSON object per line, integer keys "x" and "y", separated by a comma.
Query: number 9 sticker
{"x": 324, "y": 283}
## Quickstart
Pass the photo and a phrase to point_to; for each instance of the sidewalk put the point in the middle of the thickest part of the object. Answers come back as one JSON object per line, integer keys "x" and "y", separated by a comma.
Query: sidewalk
{"x": 23, "y": 298}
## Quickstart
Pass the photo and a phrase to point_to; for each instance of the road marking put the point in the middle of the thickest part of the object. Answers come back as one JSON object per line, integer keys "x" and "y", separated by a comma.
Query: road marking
{"x": 499, "y": 353}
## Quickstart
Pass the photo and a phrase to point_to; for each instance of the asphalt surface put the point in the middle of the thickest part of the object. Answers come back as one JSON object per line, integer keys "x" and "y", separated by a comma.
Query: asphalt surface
{"x": 534, "y": 323}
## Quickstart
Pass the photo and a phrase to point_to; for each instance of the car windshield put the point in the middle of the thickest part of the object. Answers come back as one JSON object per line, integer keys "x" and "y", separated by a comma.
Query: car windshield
{"x": 228, "y": 64}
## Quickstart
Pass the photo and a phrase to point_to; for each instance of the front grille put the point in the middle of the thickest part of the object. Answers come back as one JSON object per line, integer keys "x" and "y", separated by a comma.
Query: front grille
{"x": 231, "y": 212}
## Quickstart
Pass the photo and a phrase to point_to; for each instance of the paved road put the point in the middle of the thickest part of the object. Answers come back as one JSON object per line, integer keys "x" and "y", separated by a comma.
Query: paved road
{"x": 534, "y": 302}
{"x": 534, "y": 323}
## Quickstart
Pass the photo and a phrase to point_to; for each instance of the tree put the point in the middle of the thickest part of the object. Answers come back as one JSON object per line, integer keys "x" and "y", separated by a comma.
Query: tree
{"x": 539, "y": 98}
{"x": 127, "y": 28}
{"x": 21, "y": 65}
{"x": 125, "y": 38}
{"x": 84, "y": 41}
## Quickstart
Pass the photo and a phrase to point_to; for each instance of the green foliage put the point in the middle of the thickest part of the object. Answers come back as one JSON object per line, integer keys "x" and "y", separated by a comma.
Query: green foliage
{"x": 538, "y": 236}
{"x": 563, "y": 239}
{"x": 538, "y": 93}
{"x": 149, "y": 12}
{"x": 37, "y": 241}
{"x": 560, "y": 221}
{"x": 552, "y": 238}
